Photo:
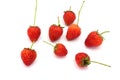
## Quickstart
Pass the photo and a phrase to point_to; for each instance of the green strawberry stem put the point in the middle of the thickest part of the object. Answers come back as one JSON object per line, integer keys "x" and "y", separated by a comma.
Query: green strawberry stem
{"x": 104, "y": 32}
{"x": 70, "y": 8}
{"x": 31, "y": 45}
{"x": 35, "y": 13}
{"x": 48, "y": 43}
{"x": 58, "y": 21}
{"x": 100, "y": 63}
{"x": 80, "y": 11}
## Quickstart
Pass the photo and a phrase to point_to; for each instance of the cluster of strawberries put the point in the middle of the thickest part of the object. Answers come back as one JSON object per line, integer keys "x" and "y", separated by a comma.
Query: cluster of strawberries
{"x": 94, "y": 39}
{"x": 28, "y": 55}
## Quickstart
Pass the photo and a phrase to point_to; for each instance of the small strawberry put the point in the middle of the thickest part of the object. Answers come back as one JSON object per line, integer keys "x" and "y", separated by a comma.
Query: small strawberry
{"x": 59, "y": 49}
{"x": 94, "y": 39}
{"x": 55, "y": 31}
{"x": 83, "y": 60}
{"x": 28, "y": 56}
{"x": 34, "y": 31}
{"x": 74, "y": 31}
{"x": 69, "y": 17}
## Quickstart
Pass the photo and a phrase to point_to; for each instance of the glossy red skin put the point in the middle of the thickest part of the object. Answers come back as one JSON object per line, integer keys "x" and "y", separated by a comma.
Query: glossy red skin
{"x": 79, "y": 57}
{"x": 94, "y": 39}
{"x": 34, "y": 33}
{"x": 55, "y": 32}
{"x": 73, "y": 32}
{"x": 69, "y": 17}
{"x": 28, "y": 56}
{"x": 60, "y": 50}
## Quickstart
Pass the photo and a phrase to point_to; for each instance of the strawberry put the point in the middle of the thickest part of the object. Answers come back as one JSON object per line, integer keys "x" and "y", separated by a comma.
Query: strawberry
{"x": 94, "y": 39}
{"x": 59, "y": 49}
{"x": 74, "y": 30}
{"x": 28, "y": 56}
{"x": 69, "y": 17}
{"x": 83, "y": 60}
{"x": 55, "y": 31}
{"x": 34, "y": 33}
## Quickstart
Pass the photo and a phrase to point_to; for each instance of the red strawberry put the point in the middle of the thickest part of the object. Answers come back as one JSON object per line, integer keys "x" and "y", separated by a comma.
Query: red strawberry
{"x": 33, "y": 33}
{"x": 94, "y": 39}
{"x": 55, "y": 31}
{"x": 83, "y": 60}
{"x": 69, "y": 17}
{"x": 73, "y": 32}
{"x": 59, "y": 49}
{"x": 28, "y": 56}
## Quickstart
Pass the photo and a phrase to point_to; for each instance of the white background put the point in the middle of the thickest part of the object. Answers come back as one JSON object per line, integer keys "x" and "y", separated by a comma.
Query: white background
{"x": 17, "y": 15}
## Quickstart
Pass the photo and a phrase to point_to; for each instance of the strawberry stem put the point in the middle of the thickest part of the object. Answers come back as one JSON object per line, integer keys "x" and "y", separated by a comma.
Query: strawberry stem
{"x": 104, "y": 32}
{"x": 31, "y": 45}
{"x": 58, "y": 21}
{"x": 100, "y": 63}
{"x": 35, "y": 13}
{"x": 70, "y": 8}
{"x": 80, "y": 11}
{"x": 48, "y": 43}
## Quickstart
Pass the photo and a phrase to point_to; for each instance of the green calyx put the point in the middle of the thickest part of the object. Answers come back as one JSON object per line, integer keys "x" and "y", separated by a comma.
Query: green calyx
{"x": 85, "y": 62}
{"x": 102, "y": 33}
